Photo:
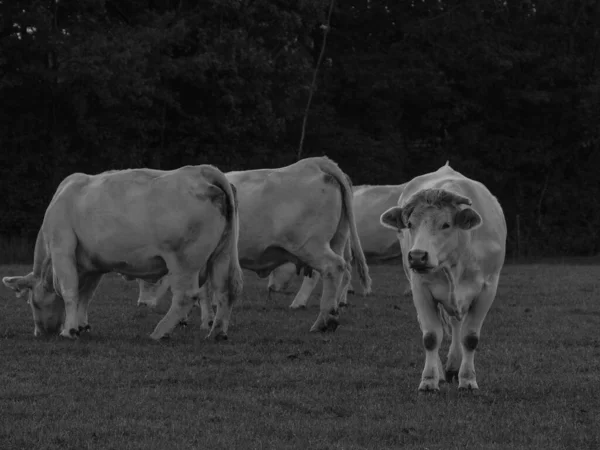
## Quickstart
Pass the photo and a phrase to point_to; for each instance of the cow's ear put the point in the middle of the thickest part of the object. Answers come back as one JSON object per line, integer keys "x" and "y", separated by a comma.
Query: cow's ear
{"x": 392, "y": 218}
{"x": 21, "y": 285}
{"x": 467, "y": 219}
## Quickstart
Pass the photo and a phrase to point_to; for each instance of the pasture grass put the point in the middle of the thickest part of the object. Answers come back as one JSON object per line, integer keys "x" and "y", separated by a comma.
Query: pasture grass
{"x": 274, "y": 385}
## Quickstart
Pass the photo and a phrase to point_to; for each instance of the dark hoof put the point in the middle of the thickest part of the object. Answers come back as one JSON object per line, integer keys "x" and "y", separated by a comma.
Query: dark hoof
{"x": 298, "y": 308}
{"x": 343, "y": 305}
{"x": 183, "y": 323}
{"x": 428, "y": 391}
{"x": 470, "y": 389}
{"x": 332, "y": 325}
{"x": 220, "y": 336}
{"x": 451, "y": 375}
{"x": 351, "y": 291}
{"x": 210, "y": 323}
{"x": 74, "y": 332}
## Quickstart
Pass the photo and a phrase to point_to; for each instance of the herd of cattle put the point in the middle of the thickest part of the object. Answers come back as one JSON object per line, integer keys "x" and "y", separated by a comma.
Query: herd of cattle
{"x": 193, "y": 229}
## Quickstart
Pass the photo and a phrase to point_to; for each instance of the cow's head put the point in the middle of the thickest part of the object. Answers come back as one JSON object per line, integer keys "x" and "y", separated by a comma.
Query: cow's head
{"x": 435, "y": 221}
{"x": 47, "y": 306}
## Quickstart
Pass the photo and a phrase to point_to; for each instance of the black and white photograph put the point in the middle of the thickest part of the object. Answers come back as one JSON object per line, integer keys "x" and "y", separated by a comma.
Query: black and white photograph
{"x": 300, "y": 224}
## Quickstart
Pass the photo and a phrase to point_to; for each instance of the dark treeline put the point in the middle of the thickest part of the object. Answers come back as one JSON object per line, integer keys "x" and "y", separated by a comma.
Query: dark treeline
{"x": 509, "y": 92}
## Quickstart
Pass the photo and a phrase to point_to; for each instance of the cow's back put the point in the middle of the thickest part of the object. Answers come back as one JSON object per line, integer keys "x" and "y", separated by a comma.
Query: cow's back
{"x": 134, "y": 215}
{"x": 278, "y": 206}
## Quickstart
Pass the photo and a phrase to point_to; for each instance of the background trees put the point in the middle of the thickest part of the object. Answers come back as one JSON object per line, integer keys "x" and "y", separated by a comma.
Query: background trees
{"x": 509, "y": 92}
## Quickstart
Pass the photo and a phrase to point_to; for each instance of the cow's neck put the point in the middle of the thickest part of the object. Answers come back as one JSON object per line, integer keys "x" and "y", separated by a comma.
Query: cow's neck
{"x": 459, "y": 281}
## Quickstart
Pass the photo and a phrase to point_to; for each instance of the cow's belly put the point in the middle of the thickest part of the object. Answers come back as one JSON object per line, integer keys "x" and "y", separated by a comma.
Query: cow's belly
{"x": 263, "y": 263}
{"x": 142, "y": 263}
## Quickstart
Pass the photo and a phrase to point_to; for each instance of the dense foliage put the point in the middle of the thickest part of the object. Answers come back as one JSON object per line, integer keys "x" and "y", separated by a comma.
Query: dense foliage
{"x": 509, "y": 92}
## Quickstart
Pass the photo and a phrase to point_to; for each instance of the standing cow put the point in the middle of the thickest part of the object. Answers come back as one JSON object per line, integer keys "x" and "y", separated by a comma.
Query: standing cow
{"x": 141, "y": 223}
{"x": 453, "y": 245}
{"x": 301, "y": 213}
{"x": 369, "y": 202}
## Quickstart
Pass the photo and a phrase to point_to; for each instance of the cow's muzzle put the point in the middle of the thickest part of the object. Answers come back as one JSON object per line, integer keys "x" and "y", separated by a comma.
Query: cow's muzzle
{"x": 418, "y": 261}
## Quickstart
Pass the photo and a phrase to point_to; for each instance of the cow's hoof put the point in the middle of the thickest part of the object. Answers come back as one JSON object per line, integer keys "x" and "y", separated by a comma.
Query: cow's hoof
{"x": 329, "y": 322}
{"x": 351, "y": 291}
{"x": 72, "y": 333}
{"x": 332, "y": 324}
{"x": 218, "y": 336}
{"x": 292, "y": 306}
{"x": 206, "y": 325}
{"x": 160, "y": 337}
{"x": 451, "y": 375}
{"x": 428, "y": 391}
{"x": 343, "y": 305}
{"x": 467, "y": 386}
{"x": 183, "y": 323}
{"x": 428, "y": 386}
{"x": 221, "y": 336}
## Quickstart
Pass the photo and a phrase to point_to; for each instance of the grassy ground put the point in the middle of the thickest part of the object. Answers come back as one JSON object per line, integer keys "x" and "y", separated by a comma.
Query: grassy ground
{"x": 274, "y": 385}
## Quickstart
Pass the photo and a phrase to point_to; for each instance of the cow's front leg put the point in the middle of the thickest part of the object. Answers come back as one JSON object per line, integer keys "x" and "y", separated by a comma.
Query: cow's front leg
{"x": 454, "y": 352}
{"x": 433, "y": 333}
{"x": 87, "y": 288}
{"x": 470, "y": 332}
{"x": 65, "y": 271}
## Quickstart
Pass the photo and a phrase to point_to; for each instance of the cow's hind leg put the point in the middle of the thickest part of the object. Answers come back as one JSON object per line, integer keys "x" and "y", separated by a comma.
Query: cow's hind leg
{"x": 308, "y": 285}
{"x": 223, "y": 297}
{"x": 185, "y": 289}
{"x": 88, "y": 286}
{"x": 206, "y": 310}
{"x": 470, "y": 332}
{"x": 332, "y": 267}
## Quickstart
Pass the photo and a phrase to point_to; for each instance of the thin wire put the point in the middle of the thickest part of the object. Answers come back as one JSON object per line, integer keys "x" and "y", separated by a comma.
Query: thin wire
{"x": 314, "y": 80}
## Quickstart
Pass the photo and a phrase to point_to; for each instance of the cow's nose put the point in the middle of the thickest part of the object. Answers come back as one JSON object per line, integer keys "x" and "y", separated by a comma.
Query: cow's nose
{"x": 417, "y": 257}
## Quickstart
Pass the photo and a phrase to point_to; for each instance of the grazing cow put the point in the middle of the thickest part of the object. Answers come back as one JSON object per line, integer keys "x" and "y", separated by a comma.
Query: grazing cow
{"x": 453, "y": 245}
{"x": 141, "y": 223}
{"x": 300, "y": 213}
{"x": 369, "y": 203}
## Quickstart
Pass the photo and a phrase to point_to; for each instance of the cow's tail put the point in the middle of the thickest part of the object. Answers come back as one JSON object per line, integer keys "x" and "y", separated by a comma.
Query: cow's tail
{"x": 229, "y": 241}
{"x": 445, "y": 319}
{"x": 331, "y": 168}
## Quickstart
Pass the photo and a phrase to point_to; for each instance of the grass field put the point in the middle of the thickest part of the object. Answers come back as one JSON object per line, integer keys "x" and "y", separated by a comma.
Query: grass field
{"x": 274, "y": 385}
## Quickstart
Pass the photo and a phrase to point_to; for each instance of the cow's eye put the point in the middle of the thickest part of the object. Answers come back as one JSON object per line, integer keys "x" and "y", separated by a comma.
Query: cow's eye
{"x": 446, "y": 225}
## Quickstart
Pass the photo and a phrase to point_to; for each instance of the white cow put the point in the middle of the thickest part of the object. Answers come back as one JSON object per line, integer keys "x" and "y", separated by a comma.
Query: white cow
{"x": 141, "y": 223}
{"x": 453, "y": 246}
{"x": 369, "y": 203}
{"x": 301, "y": 213}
